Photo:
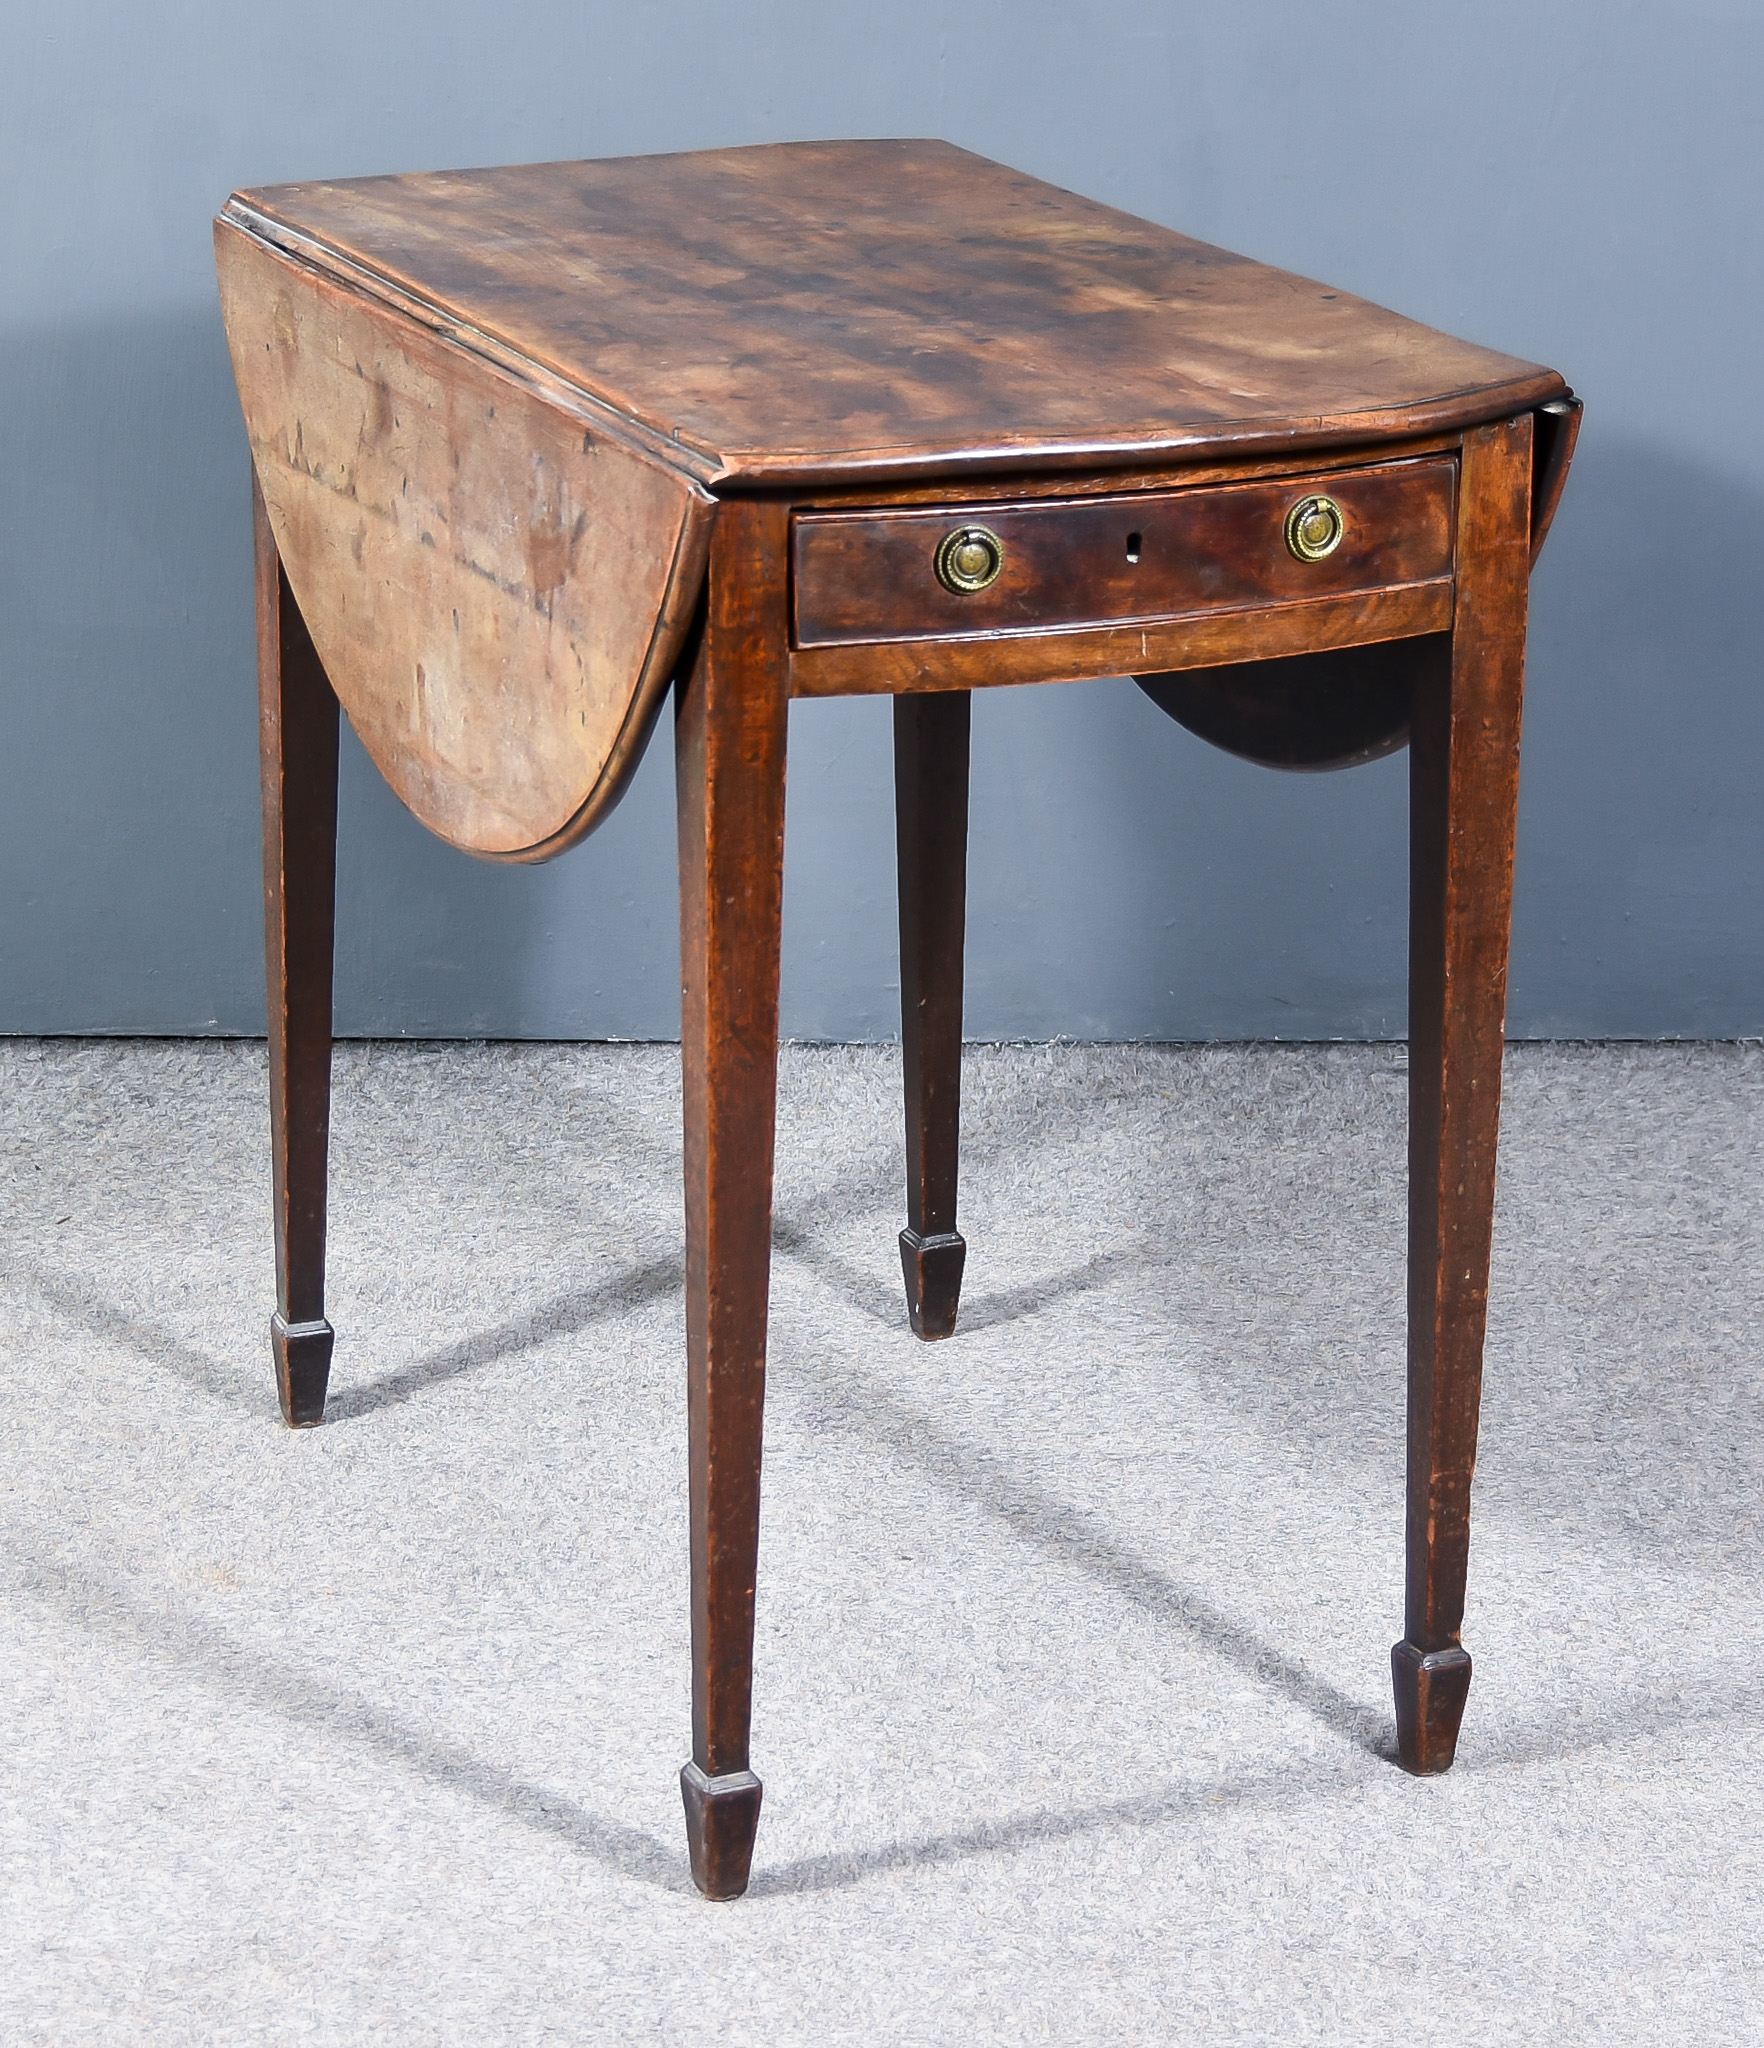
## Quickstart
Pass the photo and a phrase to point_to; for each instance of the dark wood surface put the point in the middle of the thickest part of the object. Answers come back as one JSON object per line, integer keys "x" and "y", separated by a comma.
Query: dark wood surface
{"x": 729, "y": 760}
{"x": 498, "y": 589}
{"x": 1555, "y": 428}
{"x": 298, "y": 729}
{"x": 1306, "y": 712}
{"x": 1463, "y": 807}
{"x": 871, "y": 576}
{"x": 816, "y": 311}
{"x": 1072, "y": 654}
{"x": 790, "y": 371}
{"x": 931, "y": 846}
{"x": 1111, "y": 479}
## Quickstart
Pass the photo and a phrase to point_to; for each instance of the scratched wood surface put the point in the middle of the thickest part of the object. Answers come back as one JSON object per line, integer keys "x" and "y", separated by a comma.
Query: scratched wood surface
{"x": 825, "y": 311}
{"x": 498, "y": 588}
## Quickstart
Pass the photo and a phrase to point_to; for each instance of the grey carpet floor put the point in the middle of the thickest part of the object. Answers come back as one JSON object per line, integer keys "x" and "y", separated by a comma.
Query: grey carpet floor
{"x": 1073, "y": 1693}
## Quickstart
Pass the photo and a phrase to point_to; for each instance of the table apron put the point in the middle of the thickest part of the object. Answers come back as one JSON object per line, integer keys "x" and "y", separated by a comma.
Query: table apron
{"x": 1203, "y": 640}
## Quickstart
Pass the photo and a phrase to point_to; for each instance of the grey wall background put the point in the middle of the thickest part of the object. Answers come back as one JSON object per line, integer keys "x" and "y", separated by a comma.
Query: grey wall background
{"x": 1576, "y": 183}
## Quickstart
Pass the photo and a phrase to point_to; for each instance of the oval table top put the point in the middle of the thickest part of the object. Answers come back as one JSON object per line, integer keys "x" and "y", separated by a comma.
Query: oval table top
{"x": 491, "y": 411}
{"x": 814, "y": 311}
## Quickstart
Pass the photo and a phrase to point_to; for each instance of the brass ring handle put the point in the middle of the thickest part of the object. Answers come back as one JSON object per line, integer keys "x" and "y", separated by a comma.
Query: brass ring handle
{"x": 1314, "y": 528}
{"x": 969, "y": 559}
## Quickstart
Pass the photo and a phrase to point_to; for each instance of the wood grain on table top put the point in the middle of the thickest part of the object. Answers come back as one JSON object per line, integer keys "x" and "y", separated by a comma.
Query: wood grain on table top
{"x": 826, "y": 311}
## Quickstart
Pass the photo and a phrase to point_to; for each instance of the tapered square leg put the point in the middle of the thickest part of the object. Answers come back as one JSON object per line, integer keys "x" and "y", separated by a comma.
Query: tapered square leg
{"x": 729, "y": 756}
{"x": 1464, "y": 790}
{"x": 931, "y": 843}
{"x": 299, "y": 735}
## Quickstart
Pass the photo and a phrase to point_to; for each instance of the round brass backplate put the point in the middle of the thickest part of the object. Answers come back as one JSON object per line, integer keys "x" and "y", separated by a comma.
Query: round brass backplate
{"x": 969, "y": 559}
{"x": 1314, "y": 528}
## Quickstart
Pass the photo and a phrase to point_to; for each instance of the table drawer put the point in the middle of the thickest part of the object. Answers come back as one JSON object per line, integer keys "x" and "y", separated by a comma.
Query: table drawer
{"x": 983, "y": 570}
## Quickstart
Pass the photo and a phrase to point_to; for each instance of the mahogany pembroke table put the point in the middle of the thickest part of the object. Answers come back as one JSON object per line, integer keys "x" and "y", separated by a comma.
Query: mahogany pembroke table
{"x": 533, "y": 444}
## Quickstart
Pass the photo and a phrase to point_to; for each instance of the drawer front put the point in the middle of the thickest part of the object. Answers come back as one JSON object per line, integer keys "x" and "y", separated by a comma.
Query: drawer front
{"x": 1151, "y": 555}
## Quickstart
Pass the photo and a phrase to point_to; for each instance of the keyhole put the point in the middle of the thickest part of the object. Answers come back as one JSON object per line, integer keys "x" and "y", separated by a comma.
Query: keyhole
{"x": 1133, "y": 547}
